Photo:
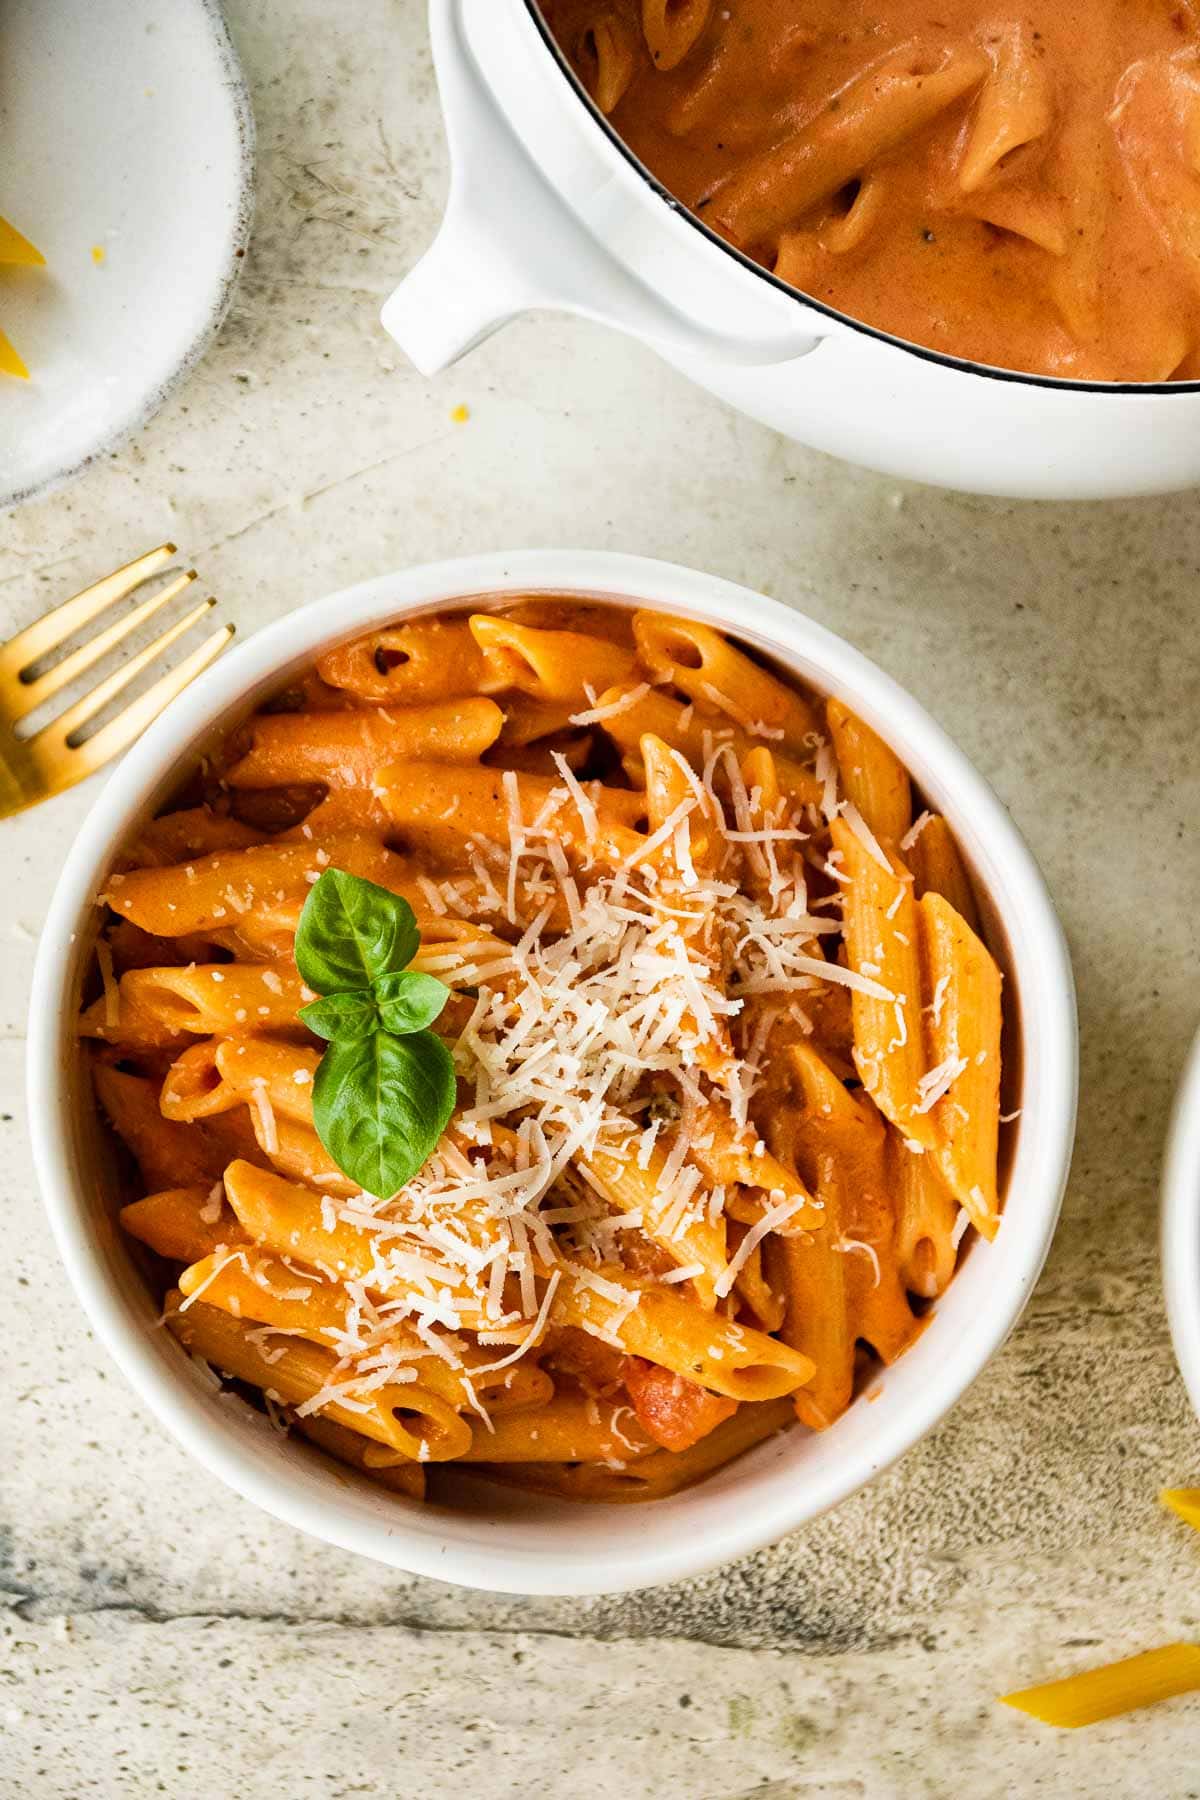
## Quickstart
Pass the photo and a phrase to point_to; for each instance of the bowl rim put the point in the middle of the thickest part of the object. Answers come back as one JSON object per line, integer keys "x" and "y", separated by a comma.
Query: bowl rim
{"x": 467, "y": 1557}
{"x": 963, "y": 365}
{"x": 1179, "y": 1234}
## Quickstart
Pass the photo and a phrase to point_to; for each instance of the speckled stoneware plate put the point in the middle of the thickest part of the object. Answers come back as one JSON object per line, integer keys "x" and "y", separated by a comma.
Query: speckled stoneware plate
{"x": 126, "y": 147}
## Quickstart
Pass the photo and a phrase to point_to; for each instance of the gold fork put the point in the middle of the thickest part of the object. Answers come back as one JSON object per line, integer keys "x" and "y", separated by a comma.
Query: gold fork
{"x": 52, "y": 759}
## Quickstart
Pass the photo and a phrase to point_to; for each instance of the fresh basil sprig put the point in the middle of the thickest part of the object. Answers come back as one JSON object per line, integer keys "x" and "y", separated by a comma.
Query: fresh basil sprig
{"x": 384, "y": 1088}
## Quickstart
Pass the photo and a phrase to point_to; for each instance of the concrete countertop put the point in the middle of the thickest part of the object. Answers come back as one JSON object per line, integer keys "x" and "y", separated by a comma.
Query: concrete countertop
{"x": 157, "y": 1634}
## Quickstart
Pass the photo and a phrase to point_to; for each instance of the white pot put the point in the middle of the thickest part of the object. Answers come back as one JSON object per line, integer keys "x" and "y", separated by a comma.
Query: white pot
{"x": 547, "y": 209}
{"x": 495, "y": 1538}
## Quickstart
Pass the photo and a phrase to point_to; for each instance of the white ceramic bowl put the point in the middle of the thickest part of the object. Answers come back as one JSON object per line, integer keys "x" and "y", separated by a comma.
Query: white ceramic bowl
{"x": 496, "y": 1539}
{"x": 1181, "y": 1226}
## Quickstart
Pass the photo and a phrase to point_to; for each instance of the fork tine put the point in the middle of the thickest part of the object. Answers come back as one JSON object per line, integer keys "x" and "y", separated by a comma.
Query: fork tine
{"x": 60, "y": 729}
{"x": 53, "y": 628}
{"x": 129, "y": 725}
{"x": 28, "y": 696}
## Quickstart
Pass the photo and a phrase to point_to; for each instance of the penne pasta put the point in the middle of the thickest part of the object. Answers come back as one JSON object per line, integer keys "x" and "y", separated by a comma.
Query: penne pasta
{"x": 1118, "y": 1688}
{"x": 401, "y": 1417}
{"x": 965, "y": 1046}
{"x": 706, "y": 668}
{"x": 345, "y": 749}
{"x": 873, "y": 777}
{"x": 883, "y": 950}
{"x": 604, "y": 1041}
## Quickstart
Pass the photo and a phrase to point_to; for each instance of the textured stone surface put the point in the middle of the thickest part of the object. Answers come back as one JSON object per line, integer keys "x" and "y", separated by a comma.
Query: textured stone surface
{"x": 150, "y": 1613}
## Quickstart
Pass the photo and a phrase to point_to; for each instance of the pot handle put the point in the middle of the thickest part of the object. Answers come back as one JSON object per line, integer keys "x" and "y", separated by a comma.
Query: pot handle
{"x": 509, "y": 244}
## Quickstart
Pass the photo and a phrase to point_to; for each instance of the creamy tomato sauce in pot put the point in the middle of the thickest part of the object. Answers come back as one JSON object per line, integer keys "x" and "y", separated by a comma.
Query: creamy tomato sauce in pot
{"x": 1016, "y": 184}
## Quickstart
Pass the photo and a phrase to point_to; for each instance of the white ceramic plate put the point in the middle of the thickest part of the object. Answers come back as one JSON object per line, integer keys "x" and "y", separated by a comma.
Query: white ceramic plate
{"x": 495, "y": 1539}
{"x": 1181, "y": 1227}
{"x": 125, "y": 128}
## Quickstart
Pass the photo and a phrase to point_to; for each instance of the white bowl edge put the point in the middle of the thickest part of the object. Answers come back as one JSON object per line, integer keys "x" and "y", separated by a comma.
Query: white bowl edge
{"x": 598, "y": 1550}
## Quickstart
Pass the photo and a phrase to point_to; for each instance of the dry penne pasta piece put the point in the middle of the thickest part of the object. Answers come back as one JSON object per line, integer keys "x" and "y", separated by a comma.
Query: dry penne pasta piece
{"x": 873, "y": 777}
{"x": 158, "y": 1005}
{"x": 881, "y": 936}
{"x": 702, "y": 664}
{"x": 937, "y": 867}
{"x": 412, "y": 664}
{"x": 1117, "y": 1688}
{"x": 1184, "y": 1503}
{"x": 184, "y": 1224}
{"x": 962, "y": 1091}
{"x": 875, "y": 113}
{"x": 403, "y": 1476}
{"x": 567, "y": 1428}
{"x": 551, "y": 666}
{"x": 400, "y": 1416}
{"x": 345, "y": 749}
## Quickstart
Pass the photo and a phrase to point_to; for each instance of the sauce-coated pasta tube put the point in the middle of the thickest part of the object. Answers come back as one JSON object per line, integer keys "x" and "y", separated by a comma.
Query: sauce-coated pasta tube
{"x": 184, "y": 1224}
{"x": 168, "y": 1155}
{"x": 554, "y": 666}
{"x": 689, "y": 1237}
{"x": 660, "y": 1473}
{"x": 399, "y": 1416}
{"x": 937, "y": 868}
{"x": 160, "y": 1004}
{"x": 964, "y": 1032}
{"x": 665, "y": 1328}
{"x": 220, "y": 891}
{"x": 695, "y": 730}
{"x": 873, "y": 776}
{"x": 407, "y": 665}
{"x": 711, "y": 672}
{"x": 467, "y": 803}
{"x": 402, "y": 1475}
{"x": 300, "y": 1300}
{"x": 881, "y": 934}
{"x": 344, "y": 749}
{"x": 568, "y": 1428}
{"x": 874, "y": 113}
{"x": 926, "y": 1222}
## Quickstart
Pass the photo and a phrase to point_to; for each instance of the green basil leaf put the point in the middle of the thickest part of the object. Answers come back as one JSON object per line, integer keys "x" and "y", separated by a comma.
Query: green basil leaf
{"x": 351, "y": 932}
{"x": 380, "y": 1106}
{"x": 347, "y": 1016}
{"x": 409, "y": 1001}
